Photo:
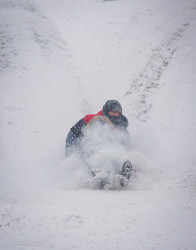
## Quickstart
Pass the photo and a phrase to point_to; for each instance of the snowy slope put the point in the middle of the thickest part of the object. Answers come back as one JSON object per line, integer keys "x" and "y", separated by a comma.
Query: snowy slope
{"x": 63, "y": 59}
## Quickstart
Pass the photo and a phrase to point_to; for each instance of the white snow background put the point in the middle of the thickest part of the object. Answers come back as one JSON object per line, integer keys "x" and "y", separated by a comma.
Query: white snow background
{"x": 63, "y": 59}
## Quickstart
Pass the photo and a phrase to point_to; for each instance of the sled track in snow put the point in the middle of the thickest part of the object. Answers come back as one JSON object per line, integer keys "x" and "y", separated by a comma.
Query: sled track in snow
{"x": 147, "y": 81}
{"x": 39, "y": 28}
{"x": 7, "y": 50}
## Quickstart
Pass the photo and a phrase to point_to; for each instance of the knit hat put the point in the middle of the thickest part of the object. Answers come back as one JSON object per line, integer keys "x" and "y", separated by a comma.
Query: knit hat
{"x": 112, "y": 105}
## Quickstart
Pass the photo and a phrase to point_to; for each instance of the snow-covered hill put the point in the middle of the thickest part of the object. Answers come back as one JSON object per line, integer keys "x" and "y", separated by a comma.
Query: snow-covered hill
{"x": 62, "y": 59}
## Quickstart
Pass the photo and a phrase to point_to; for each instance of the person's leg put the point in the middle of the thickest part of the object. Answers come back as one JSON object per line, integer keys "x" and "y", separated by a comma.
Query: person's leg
{"x": 127, "y": 170}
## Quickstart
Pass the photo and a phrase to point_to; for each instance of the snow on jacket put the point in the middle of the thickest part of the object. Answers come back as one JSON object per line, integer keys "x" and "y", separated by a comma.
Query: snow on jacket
{"x": 76, "y": 132}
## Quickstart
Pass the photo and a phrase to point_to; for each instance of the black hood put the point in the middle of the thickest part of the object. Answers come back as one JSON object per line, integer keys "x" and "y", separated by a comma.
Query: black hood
{"x": 112, "y": 105}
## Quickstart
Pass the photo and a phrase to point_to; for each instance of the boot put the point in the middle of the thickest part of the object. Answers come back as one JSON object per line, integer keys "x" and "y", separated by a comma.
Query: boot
{"x": 126, "y": 172}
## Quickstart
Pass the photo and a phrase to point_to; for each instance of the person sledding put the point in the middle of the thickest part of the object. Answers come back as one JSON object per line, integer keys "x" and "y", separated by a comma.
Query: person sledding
{"x": 112, "y": 114}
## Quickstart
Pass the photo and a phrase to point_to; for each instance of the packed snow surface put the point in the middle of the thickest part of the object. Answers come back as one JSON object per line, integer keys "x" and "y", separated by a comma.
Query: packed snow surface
{"x": 63, "y": 59}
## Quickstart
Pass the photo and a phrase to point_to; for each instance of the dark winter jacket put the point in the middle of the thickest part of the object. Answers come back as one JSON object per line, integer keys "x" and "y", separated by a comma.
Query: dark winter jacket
{"x": 76, "y": 132}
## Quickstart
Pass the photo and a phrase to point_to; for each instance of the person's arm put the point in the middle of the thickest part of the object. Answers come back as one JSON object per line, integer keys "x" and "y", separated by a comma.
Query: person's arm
{"x": 73, "y": 137}
{"x": 126, "y": 137}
